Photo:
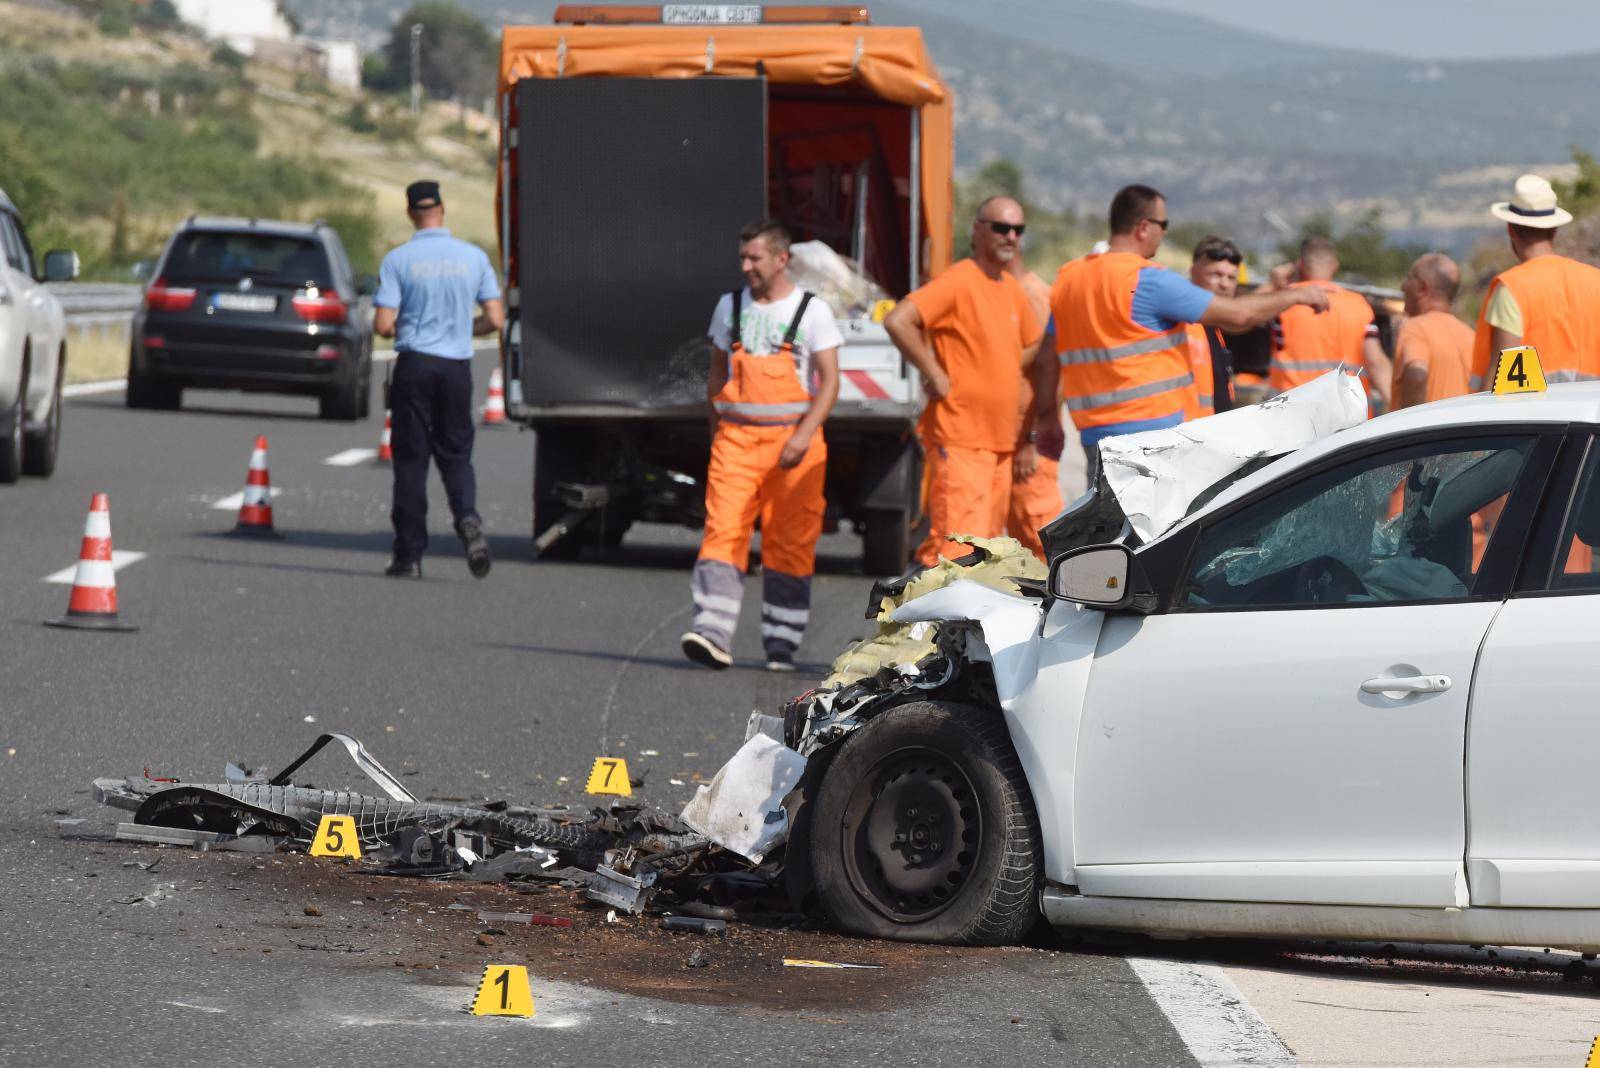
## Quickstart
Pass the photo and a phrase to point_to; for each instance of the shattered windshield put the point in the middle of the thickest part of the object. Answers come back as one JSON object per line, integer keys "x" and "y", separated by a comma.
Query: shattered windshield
{"x": 1402, "y": 526}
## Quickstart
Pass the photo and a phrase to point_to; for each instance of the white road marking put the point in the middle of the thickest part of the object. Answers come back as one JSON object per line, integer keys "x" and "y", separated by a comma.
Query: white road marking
{"x": 1212, "y": 1017}
{"x": 351, "y": 457}
{"x": 232, "y": 501}
{"x": 196, "y": 1008}
{"x": 85, "y": 389}
{"x": 120, "y": 558}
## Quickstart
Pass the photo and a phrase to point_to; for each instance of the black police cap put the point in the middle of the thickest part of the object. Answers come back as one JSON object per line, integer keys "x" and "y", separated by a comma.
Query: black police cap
{"x": 423, "y": 194}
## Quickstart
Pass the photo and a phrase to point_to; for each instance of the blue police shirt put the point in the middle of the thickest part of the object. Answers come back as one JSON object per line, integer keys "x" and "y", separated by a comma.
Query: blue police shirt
{"x": 436, "y": 281}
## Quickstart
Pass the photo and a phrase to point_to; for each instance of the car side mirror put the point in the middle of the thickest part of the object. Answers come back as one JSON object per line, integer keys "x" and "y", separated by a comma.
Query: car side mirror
{"x": 1099, "y": 576}
{"x": 60, "y": 265}
{"x": 366, "y": 285}
{"x": 143, "y": 271}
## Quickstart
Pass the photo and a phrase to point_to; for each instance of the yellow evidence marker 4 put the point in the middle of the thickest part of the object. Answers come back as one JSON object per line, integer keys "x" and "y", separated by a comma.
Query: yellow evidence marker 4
{"x": 503, "y": 991}
{"x": 336, "y": 837}
{"x": 1519, "y": 371}
{"x": 609, "y": 776}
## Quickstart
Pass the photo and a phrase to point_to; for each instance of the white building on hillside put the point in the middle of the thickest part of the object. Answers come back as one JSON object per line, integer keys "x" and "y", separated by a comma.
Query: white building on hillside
{"x": 241, "y": 23}
{"x": 341, "y": 61}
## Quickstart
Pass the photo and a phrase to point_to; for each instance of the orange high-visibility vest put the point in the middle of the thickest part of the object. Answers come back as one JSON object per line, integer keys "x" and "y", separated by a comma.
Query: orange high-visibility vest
{"x": 1112, "y": 369}
{"x": 1315, "y": 343}
{"x": 1560, "y": 303}
{"x": 1204, "y": 396}
{"x": 764, "y": 390}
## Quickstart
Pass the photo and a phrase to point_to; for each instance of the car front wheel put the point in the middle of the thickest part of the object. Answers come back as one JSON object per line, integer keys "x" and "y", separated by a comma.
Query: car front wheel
{"x": 924, "y": 830}
{"x": 11, "y": 439}
{"x": 42, "y": 446}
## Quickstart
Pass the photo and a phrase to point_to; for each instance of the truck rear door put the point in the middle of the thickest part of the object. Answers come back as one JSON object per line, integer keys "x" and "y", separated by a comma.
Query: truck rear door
{"x": 629, "y": 194}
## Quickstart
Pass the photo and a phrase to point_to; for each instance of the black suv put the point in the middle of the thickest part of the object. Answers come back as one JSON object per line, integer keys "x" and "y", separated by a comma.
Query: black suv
{"x": 258, "y": 305}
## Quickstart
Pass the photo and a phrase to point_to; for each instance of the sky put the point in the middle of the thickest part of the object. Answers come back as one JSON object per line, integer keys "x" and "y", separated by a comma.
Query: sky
{"x": 1430, "y": 29}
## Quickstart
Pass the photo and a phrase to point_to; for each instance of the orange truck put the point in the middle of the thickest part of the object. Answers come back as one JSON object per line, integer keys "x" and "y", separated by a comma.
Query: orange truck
{"x": 635, "y": 143}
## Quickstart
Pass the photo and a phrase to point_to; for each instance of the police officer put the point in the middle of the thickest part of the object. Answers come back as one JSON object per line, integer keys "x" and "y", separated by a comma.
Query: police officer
{"x": 427, "y": 291}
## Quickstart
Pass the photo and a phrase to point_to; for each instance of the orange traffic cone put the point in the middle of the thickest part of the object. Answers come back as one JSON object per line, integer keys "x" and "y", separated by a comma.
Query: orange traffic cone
{"x": 385, "y": 450}
{"x": 255, "y": 509}
{"x": 93, "y": 605}
{"x": 494, "y": 409}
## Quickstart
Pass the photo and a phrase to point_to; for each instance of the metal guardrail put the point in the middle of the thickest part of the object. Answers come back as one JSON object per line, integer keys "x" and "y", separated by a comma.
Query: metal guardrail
{"x": 94, "y": 304}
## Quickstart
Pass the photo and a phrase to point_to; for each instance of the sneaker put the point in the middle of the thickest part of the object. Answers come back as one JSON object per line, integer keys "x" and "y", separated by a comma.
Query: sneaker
{"x": 703, "y": 650}
{"x": 780, "y": 661}
{"x": 399, "y": 568}
{"x": 478, "y": 559}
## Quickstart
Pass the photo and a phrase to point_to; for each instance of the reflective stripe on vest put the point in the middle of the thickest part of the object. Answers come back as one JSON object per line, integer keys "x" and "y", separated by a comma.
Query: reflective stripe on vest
{"x": 1313, "y": 366}
{"x": 1118, "y": 396}
{"x": 1135, "y": 348}
{"x": 774, "y": 414}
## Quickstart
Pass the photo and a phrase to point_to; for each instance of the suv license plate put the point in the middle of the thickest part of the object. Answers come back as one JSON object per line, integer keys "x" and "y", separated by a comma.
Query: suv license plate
{"x": 244, "y": 302}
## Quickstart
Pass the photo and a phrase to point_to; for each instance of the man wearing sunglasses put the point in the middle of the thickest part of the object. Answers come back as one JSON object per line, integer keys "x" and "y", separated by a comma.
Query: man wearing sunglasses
{"x": 970, "y": 332}
{"x": 1214, "y": 266}
{"x": 1121, "y": 323}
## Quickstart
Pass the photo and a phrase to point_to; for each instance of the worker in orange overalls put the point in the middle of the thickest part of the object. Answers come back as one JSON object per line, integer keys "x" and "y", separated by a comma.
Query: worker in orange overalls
{"x": 1121, "y": 326}
{"x": 1036, "y": 464}
{"x": 1214, "y": 266}
{"x": 969, "y": 332}
{"x": 1306, "y": 346}
{"x": 774, "y": 377}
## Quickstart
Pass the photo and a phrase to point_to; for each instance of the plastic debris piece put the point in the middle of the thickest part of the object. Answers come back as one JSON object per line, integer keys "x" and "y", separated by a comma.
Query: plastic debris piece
{"x": 705, "y": 911}
{"x": 790, "y": 962}
{"x": 611, "y": 887}
{"x": 697, "y": 959}
{"x": 537, "y": 919}
{"x": 611, "y": 916}
{"x": 697, "y": 924}
{"x": 742, "y": 808}
{"x": 173, "y": 836}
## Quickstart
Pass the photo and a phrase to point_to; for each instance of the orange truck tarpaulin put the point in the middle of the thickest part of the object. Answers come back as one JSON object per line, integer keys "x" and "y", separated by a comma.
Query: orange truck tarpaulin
{"x": 890, "y": 62}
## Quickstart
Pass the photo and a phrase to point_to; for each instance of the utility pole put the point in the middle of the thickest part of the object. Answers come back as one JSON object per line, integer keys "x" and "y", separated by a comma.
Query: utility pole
{"x": 416, "y": 67}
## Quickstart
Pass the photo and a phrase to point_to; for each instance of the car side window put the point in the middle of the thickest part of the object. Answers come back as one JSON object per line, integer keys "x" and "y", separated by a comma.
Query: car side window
{"x": 1579, "y": 556}
{"x": 11, "y": 243}
{"x": 1407, "y": 524}
{"x": 30, "y": 264}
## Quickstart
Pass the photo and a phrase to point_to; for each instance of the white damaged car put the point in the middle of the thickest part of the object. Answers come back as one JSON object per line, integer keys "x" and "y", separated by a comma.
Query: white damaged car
{"x": 1348, "y": 692}
{"x": 33, "y": 350}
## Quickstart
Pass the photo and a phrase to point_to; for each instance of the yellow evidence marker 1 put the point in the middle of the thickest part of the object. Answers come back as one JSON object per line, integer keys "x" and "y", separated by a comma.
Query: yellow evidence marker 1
{"x": 503, "y": 991}
{"x": 1519, "y": 371}
{"x": 336, "y": 837}
{"x": 610, "y": 776}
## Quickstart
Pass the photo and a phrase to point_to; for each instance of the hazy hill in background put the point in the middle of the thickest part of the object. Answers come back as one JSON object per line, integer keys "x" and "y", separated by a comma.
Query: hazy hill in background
{"x": 1239, "y": 128}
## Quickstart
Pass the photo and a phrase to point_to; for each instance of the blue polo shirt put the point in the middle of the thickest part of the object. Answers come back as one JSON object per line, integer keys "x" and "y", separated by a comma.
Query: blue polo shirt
{"x": 437, "y": 282}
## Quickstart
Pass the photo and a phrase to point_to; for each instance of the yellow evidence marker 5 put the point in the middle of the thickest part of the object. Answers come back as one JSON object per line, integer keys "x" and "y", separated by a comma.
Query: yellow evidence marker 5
{"x": 336, "y": 837}
{"x": 503, "y": 991}
{"x": 1519, "y": 371}
{"x": 610, "y": 776}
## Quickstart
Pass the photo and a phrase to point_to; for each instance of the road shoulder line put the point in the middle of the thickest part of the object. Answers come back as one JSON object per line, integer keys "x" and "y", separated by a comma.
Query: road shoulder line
{"x": 1211, "y": 1015}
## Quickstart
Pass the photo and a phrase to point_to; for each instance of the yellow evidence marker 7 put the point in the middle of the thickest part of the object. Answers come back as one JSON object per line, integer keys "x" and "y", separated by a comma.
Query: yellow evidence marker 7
{"x": 1519, "y": 371}
{"x": 336, "y": 837}
{"x": 503, "y": 991}
{"x": 610, "y": 776}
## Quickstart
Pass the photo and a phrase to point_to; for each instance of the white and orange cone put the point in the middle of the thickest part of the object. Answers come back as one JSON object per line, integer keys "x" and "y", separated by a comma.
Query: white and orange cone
{"x": 494, "y": 409}
{"x": 255, "y": 509}
{"x": 385, "y": 448}
{"x": 93, "y": 605}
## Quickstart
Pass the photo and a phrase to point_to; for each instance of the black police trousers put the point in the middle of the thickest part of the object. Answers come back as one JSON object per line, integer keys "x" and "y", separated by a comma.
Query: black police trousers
{"x": 430, "y": 401}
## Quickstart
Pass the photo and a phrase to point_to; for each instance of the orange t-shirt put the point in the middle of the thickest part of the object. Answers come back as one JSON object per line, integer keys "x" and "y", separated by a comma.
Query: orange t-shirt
{"x": 979, "y": 327}
{"x": 1441, "y": 343}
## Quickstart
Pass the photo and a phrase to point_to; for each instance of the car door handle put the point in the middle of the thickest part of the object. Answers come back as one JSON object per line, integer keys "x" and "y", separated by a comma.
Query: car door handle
{"x": 1407, "y": 684}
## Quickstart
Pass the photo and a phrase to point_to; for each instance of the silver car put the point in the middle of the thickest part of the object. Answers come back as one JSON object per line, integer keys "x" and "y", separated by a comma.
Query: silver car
{"x": 33, "y": 350}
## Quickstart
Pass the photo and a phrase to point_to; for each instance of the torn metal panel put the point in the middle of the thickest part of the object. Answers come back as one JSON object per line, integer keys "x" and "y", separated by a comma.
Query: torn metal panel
{"x": 741, "y": 810}
{"x": 364, "y": 760}
{"x": 1158, "y": 476}
{"x": 1010, "y": 627}
{"x": 628, "y": 893}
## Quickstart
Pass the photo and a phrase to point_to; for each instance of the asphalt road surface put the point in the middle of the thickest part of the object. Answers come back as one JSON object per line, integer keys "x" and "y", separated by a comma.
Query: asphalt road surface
{"x": 504, "y": 688}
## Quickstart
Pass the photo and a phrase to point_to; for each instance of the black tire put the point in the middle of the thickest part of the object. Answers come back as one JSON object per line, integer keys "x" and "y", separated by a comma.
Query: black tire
{"x": 924, "y": 830}
{"x": 40, "y": 447}
{"x": 886, "y": 542}
{"x": 145, "y": 392}
{"x": 365, "y": 392}
{"x": 11, "y": 441}
{"x": 343, "y": 402}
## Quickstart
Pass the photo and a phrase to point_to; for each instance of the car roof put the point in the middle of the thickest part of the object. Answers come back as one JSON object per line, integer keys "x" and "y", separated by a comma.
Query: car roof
{"x": 236, "y": 224}
{"x": 1569, "y": 402}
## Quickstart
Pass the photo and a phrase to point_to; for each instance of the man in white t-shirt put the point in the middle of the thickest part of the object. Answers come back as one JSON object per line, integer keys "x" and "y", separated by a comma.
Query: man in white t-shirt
{"x": 774, "y": 377}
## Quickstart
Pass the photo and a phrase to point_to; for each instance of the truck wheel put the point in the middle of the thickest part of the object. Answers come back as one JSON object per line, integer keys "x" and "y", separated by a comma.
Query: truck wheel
{"x": 924, "y": 830}
{"x": 11, "y": 440}
{"x": 886, "y": 542}
{"x": 40, "y": 447}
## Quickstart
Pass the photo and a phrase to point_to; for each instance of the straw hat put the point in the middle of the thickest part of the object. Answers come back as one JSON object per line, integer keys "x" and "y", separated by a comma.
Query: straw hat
{"x": 1532, "y": 203}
